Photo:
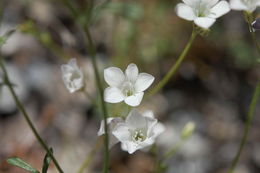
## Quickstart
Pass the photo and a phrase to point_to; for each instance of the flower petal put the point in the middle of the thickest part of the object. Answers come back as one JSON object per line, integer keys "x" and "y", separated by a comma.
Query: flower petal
{"x": 134, "y": 120}
{"x": 134, "y": 100}
{"x": 65, "y": 68}
{"x": 237, "y": 5}
{"x": 189, "y": 2}
{"x": 131, "y": 72}
{"x": 113, "y": 95}
{"x": 158, "y": 129}
{"x": 122, "y": 133}
{"x": 73, "y": 63}
{"x": 219, "y": 9}
{"x": 184, "y": 11}
{"x": 144, "y": 80}
{"x": 114, "y": 76}
{"x": 148, "y": 113}
{"x": 146, "y": 143}
{"x": 211, "y": 3}
{"x": 204, "y": 22}
{"x": 112, "y": 122}
{"x": 130, "y": 147}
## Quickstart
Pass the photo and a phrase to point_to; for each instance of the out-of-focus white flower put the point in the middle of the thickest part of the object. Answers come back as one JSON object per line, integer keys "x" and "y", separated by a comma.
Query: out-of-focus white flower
{"x": 72, "y": 76}
{"x": 244, "y": 5}
{"x": 137, "y": 132}
{"x": 111, "y": 122}
{"x": 128, "y": 87}
{"x": 202, "y": 12}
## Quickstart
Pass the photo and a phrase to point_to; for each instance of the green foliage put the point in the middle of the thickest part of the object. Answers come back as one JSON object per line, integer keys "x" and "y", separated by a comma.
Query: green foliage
{"x": 131, "y": 11}
{"x": 4, "y": 38}
{"x": 15, "y": 161}
{"x": 46, "y": 162}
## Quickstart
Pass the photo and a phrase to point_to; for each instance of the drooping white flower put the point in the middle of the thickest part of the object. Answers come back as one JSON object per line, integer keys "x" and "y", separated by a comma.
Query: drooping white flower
{"x": 244, "y": 5}
{"x": 203, "y": 12}
{"x": 129, "y": 87}
{"x": 112, "y": 123}
{"x": 137, "y": 132}
{"x": 72, "y": 76}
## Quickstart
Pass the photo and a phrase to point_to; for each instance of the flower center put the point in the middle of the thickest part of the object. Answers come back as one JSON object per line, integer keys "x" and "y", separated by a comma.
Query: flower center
{"x": 201, "y": 9}
{"x": 138, "y": 136}
{"x": 128, "y": 88}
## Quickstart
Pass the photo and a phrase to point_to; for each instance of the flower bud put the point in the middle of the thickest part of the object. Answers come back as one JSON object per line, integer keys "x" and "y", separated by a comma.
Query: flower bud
{"x": 256, "y": 24}
{"x": 187, "y": 130}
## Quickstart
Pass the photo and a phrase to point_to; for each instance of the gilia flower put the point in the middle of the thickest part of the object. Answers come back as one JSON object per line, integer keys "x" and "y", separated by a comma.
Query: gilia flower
{"x": 244, "y": 5}
{"x": 111, "y": 122}
{"x": 202, "y": 12}
{"x": 72, "y": 75}
{"x": 128, "y": 87}
{"x": 137, "y": 132}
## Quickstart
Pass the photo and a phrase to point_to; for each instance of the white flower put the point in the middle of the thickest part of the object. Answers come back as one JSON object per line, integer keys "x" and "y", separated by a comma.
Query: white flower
{"x": 128, "y": 87}
{"x": 72, "y": 76}
{"x": 137, "y": 132}
{"x": 202, "y": 12}
{"x": 244, "y": 5}
{"x": 111, "y": 122}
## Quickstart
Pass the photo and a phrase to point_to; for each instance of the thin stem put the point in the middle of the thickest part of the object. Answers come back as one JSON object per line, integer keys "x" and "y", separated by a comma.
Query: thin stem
{"x": 249, "y": 19}
{"x": 70, "y": 6}
{"x": 92, "y": 53}
{"x": 89, "y": 158}
{"x": 173, "y": 151}
{"x": 159, "y": 166}
{"x": 26, "y": 116}
{"x": 250, "y": 116}
{"x": 175, "y": 66}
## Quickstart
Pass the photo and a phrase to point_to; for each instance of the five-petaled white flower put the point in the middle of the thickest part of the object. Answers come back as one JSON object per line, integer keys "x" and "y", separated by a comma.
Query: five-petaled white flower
{"x": 128, "y": 87}
{"x": 202, "y": 12}
{"x": 112, "y": 123}
{"x": 244, "y": 5}
{"x": 137, "y": 132}
{"x": 72, "y": 76}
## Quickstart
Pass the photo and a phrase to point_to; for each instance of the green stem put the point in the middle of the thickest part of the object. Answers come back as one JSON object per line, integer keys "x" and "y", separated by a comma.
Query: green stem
{"x": 175, "y": 66}
{"x": 159, "y": 166}
{"x": 250, "y": 116}
{"x": 26, "y": 116}
{"x": 89, "y": 158}
{"x": 249, "y": 19}
{"x": 92, "y": 53}
{"x": 70, "y": 6}
{"x": 173, "y": 151}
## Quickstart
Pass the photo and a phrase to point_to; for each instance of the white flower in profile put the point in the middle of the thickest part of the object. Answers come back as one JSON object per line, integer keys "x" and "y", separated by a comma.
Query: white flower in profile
{"x": 72, "y": 75}
{"x": 203, "y": 12}
{"x": 129, "y": 87}
{"x": 111, "y": 122}
{"x": 244, "y": 5}
{"x": 138, "y": 131}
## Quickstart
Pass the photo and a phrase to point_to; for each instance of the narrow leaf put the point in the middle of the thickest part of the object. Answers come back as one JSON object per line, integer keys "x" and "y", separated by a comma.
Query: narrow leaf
{"x": 4, "y": 38}
{"x": 15, "y": 161}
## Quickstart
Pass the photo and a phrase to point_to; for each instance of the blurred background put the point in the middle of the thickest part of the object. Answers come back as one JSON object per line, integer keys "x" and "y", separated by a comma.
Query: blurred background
{"x": 213, "y": 86}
